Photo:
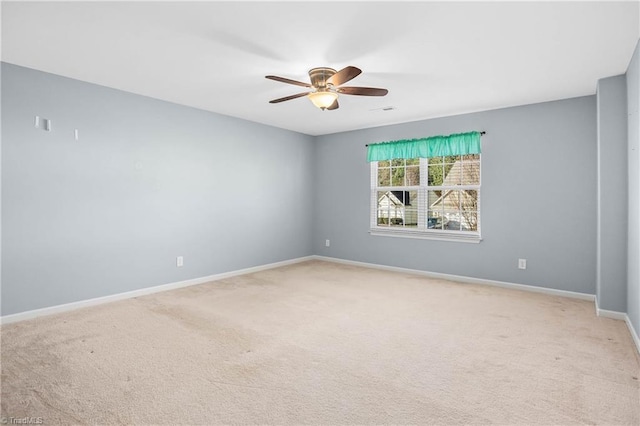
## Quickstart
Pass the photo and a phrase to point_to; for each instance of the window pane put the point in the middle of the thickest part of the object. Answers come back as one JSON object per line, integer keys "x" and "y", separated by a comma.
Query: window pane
{"x": 413, "y": 176}
{"x": 433, "y": 200}
{"x": 384, "y": 163}
{"x": 397, "y": 208}
{"x": 411, "y": 209}
{"x": 384, "y": 176}
{"x": 413, "y": 162}
{"x": 435, "y": 217}
{"x": 435, "y": 220}
{"x": 398, "y": 162}
{"x": 469, "y": 200}
{"x": 436, "y": 174}
{"x": 453, "y": 174}
{"x": 469, "y": 221}
{"x": 383, "y": 208}
{"x": 398, "y": 200}
{"x": 450, "y": 200}
{"x": 471, "y": 173}
{"x": 397, "y": 176}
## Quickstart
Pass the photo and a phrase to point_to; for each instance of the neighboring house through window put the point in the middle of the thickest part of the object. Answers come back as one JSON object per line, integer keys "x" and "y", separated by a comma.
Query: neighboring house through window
{"x": 431, "y": 196}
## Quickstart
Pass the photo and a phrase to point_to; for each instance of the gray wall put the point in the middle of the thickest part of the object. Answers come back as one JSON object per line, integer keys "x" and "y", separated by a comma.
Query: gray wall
{"x": 633, "y": 155}
{"x": 611, "y": 280}
{"x": 147, "y": 181}
{"x": 538, "y": 197}
{"x": 150, "y": 180}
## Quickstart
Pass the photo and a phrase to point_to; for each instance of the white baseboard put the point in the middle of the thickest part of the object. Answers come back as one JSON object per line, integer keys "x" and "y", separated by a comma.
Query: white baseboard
{"x": 622, "y": 316}
{"x": 609, "y": 314}
{"x": 21, "y": 316}
{"x": 464, "y": 279}
{"x": 633, "y": 332}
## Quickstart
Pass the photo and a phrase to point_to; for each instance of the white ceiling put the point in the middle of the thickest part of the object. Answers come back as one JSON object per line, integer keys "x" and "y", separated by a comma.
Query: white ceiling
{"x": 435, "y": 58}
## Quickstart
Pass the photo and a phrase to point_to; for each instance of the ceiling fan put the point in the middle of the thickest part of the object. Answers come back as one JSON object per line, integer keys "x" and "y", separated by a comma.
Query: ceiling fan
{"x": 325, "y": 87}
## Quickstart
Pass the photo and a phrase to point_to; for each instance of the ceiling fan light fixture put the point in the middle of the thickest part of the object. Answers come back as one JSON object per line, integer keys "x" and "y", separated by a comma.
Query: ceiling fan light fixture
{"x": 326, "y": 86}
{"x": 323, "y": 99}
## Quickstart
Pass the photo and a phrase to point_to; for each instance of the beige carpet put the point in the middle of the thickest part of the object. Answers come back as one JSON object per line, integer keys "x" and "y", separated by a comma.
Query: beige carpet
{"x": 323, "y": 343}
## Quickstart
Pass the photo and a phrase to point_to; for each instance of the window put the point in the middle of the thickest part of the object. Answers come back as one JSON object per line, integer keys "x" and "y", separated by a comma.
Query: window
{"x": 437, "y": 197}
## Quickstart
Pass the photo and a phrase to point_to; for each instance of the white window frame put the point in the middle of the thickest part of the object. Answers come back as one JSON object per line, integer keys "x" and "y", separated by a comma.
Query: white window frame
{"x": 422, "y": 231}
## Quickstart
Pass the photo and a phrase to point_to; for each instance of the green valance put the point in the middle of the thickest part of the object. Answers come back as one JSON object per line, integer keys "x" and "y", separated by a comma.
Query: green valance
{"x": 433, "y": 146}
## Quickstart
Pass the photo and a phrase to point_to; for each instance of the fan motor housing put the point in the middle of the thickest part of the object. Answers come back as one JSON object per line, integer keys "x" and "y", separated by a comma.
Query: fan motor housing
{"x": 320, "y": 75}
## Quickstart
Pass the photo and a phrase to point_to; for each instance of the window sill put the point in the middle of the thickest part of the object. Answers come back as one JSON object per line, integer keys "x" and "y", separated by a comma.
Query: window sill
{"x": 459, "y": 237}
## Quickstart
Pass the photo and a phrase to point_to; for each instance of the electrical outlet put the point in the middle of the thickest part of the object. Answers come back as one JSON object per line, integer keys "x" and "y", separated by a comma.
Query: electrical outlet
{"x": 327, "y": 243}
{"x": 522, "y": 263}
{"x": 179, "y": 261}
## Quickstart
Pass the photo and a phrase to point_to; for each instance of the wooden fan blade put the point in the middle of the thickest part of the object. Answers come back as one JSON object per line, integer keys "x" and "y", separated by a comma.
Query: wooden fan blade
{"x": 288, "y": 98}
{"x": 334, "y": 105}
{"x": 344, "y": 75}
{"x": 287, "y": 80}
{"x": 363, "y": 91}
